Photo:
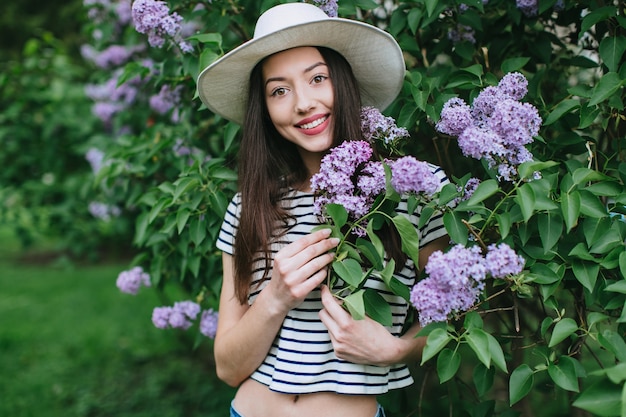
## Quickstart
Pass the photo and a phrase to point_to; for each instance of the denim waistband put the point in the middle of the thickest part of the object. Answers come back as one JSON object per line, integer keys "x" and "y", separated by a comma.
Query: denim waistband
{"x": 234, "y": 413}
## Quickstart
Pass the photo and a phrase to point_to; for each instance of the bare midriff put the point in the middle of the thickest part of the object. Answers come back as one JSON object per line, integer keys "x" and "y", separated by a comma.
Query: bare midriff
{"x": 254, "y": 399}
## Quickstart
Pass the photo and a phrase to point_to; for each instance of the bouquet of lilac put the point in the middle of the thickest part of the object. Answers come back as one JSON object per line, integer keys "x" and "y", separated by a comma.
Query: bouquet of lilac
{"x": 357, "y": 192}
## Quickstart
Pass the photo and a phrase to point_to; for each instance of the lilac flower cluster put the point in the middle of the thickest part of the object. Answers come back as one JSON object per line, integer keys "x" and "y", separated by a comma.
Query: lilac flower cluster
{"x": 408, "y": 175}
{"x": 497, "y": 126}
{"x": 153, "y": 18}
{"x": 461, "y": 33}
{"x": 103, "y": 211}
{"x": 456, "y": 279}
{"x": 330, "y": 7}
{"x": 130, "y": 281}
{"x": 111, "y": 57}
{"x": 167, "y": 99}
{"x": 208, "y": 323}
{"x": 181, "y": 316}
{"x": 95, "y": 157}
{"x": 530, "y": 8}
{"x": 468, "y": 189}
{"x": 110, "y": 98}
{"x": 334, "y": 181}
{"x": 379, "y": 128}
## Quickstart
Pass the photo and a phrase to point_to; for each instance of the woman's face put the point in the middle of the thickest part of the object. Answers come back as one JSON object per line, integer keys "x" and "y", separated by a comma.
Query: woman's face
{"x": 299, "y": 97}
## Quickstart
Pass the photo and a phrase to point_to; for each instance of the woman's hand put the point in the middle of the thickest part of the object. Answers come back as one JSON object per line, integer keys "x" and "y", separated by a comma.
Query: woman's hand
{"x": 361, "y": 341}
{"x": 300, "y": 267}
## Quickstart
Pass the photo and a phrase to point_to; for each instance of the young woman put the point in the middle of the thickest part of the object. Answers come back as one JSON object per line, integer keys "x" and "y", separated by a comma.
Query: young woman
{"x": 291, "y": 348}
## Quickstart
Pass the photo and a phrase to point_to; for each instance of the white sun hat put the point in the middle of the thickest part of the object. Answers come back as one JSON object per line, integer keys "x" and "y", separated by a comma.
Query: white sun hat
{"x": 374, "y": 55}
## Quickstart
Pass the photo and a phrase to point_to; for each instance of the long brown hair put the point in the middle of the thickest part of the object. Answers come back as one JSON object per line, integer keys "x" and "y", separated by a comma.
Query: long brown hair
{"x": 268, "y": 164}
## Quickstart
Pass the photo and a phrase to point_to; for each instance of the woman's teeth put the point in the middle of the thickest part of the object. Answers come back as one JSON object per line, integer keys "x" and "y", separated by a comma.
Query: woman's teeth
{"x": 314, "y": 123}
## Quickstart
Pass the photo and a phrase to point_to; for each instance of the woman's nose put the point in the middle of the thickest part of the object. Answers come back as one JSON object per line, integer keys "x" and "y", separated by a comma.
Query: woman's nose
{"x": 304, "y": 102}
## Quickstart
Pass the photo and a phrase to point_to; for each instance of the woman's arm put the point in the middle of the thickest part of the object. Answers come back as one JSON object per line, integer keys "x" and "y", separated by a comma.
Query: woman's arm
{"x": 367, "y": 341}
{"x": 245, "y": 332}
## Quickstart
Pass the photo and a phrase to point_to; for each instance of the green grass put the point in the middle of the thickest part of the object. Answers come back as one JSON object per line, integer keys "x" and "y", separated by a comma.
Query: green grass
{"x": 71, "y": 344}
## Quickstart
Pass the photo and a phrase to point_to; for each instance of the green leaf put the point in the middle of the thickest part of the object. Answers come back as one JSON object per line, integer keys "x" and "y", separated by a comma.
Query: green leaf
{"x": 550, "y": 230}
{"x": 586, "y": 273}
{"x": 561, "y": 109}
{"x": 355, "y": 305}
{"x": 562, "y": 330}
{"x": 520, "y": 383}
{"x": 570, "y": 207}
{"x": 602, "y": 399}
{"x": 197, "y": 230}
{"x": 513, "y": 64}
{"x": 350, "y": 271}
{"x": 455, "y": 227}
{"x": 369, "y": 251}
{"x": 583, "y": 175}
{"x": 608, "y": 85}
{"x": 497, "y": 355}
{"x": 182, "y": 216}
{"x": 408, "y": 234}
{"x": 611, "y": 50}
{"x": 614, "y": 343}
{"x": 141, "y": 225}
{"x": 596, "y": 16}
{"x": 183, "y": 186}
{"x": 525, "y": 199}
{"x": 479, "y": 342}
{"x": 504, "y": 223}
{"x": 483, "y": 378}
{"x": 377, "y": 308}
{"x": 437, "y": 340}
{"x": 527, "y": 169}
{"x": 563, "y": 373}
{"x": 591, "y": 206}
{"x": 448, "y": 363}
{"x": 338, "y": 213}
{"x": 208, "y": 38}
{"x": 622, "y": 264}
{"x": 484, "y": 190}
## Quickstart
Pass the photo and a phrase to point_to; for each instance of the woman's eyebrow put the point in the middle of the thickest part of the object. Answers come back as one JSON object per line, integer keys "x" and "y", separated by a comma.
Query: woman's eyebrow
{"x": 306, "y": 70}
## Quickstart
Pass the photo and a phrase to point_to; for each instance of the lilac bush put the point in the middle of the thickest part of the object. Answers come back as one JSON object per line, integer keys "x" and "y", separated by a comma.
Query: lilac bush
{"x": 519, "y": 102}
{"x": 132, "y": 280}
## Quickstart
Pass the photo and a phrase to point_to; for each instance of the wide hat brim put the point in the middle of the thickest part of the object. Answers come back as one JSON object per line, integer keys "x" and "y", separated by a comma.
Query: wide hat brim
{"x": 374, "y": 55}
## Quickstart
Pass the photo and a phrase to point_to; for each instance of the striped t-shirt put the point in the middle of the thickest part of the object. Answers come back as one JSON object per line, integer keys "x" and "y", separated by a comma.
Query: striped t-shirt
{"x": 301, "y": 359}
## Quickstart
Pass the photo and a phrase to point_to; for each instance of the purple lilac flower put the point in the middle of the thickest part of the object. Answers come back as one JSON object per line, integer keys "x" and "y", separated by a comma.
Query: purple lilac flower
{"x": 123, "y": 12}
{"x": 329, "y": 7}
{"x": 528, "y": 7}
{"x": 130, "y": 281}
{"x": 498, "y": 126}
{"x": 502, "y": 261}
{"x": 484, "y": 104}
{"x": 179, "y": 316}
{"x": 115, "y": 55}
{"x": 95, "y": 157}
{"x": 103, "y": 211}
{"x": 454, "y": 283}
{"x": 515, "y": 121}
{"x": 153, "y": 18}
{"x": 375, "y": 126}
{"x": 161, "y": 317}
{"x": 371, "y": 182}
{"x": 470, "y": 186}
{"x": 408, "y": 175}
{"x": 166, "y": 99}
{"x": 462, "y": 33}
{"x": 455, "y": 117}
{"x": 514, "y": 85}
{"x": 208, "y": 323}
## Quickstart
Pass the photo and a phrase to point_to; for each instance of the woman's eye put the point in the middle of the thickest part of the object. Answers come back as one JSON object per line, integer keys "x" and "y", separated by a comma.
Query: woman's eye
{"x": 319, "y": 78}
{"x": 279, "y": 91}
